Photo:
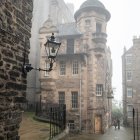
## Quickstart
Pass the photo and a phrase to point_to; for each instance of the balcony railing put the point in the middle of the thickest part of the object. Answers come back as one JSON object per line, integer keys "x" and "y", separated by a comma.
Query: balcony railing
{"x": 99, "y": 37}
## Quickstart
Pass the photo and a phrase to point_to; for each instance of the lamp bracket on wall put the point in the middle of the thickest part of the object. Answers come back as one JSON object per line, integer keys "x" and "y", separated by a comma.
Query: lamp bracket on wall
{"x": 51, "y": 48}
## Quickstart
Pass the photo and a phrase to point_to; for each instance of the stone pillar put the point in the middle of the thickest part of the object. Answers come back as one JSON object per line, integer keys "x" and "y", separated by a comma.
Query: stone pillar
{"x": 15, "y": 26}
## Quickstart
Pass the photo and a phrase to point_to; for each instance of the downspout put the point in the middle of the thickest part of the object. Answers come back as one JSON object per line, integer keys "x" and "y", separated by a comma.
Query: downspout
{"x": 80, "y": 120}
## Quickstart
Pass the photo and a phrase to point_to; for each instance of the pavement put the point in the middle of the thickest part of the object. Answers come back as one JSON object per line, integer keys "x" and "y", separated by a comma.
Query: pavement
{"x": 112, "y": 134}
{"x": 31, "y": 129}
{"x": 34, "y": 130}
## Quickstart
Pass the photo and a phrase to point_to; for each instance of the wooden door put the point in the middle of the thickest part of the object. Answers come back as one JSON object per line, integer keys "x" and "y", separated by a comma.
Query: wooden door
{"x": 98, "y": 122}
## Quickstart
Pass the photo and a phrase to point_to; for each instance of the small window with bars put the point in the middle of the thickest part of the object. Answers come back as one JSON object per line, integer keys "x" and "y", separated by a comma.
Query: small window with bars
{"x": 61, "y": 98}
{"x": 75, "y": 67}
{"x": 71, "y": 125}
{"x": 99, "y": 89}
{"x": 74, "y": 100}
{"x": 62, "y": 68}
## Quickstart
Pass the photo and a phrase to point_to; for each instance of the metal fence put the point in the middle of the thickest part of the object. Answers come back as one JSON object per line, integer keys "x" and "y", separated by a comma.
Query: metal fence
{"x": 55, "y": 114}
{"x": 136, "y": 125}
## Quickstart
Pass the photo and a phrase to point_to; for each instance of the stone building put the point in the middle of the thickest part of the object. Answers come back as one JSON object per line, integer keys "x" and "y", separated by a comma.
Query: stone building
{"x": 81, "y": 77}
{"x": 60, "y": 13}
{"x": 131, "y": 78}
{"x": 15, "y": 27}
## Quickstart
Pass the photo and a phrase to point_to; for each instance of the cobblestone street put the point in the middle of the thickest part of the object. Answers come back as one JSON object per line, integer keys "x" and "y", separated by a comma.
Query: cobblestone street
{"x": 34, "y": 130}
{"x": 31, "y": 129}
{"x": 111, "y": 134}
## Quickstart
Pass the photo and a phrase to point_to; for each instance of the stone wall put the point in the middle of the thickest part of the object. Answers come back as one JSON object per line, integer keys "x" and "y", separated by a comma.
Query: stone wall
{"x": 15, "y": 25}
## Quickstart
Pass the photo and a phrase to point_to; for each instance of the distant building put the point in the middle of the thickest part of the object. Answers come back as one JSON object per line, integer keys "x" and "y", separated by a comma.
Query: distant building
{"x": 60, "y": 13}
{"x": 82, "y": 74}
{"x": 131, "y": 78}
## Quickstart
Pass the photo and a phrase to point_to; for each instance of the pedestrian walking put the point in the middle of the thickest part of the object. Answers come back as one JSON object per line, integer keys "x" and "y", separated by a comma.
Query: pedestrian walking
{"x": 118, "y": 123}
{"x": 115, "y": 124}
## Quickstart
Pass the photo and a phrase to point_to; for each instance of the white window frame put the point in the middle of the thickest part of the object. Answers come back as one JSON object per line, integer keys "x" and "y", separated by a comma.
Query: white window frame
{"x": 128, "y": 75}
{"x": 62, "y": 65}
{"x": 99, "y": 89}
{"x": 129, "y": 111}
{"x": 75, "y": 67}
{"x": 74, "y": 99}
{"x": 129, "y": 91}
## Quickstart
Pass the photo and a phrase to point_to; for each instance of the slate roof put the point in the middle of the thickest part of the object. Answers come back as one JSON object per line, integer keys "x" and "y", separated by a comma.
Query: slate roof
{"x": 68, "y": 29}
{"x": 92, "y": 3}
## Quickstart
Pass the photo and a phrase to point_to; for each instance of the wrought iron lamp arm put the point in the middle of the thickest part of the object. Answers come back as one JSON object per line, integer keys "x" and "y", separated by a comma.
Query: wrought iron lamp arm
{"x": 28, "y": 68}
{"x": 51, "y": 47}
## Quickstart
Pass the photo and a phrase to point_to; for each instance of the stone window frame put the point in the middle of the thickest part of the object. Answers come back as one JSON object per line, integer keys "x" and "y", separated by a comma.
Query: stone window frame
{"x": 74, "y": 99}
{"x": 99, "y": 89}
{"x": 62, "y": 65}
{"x": 129, "y": 111}
{"x": 128, "y": 90}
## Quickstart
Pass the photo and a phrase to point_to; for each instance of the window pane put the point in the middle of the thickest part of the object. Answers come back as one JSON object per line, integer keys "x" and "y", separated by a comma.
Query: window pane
{"x": 74, "y": 99}
{"x": 130, "y": 111}
{"x": 71, "y": 124}
{"x": 62, "y": 67}
{"x": 129, "y": 92}
{"x": 99, "y": 89}
{"x": 98, "y": 27}
{"x": 75, "y": 67}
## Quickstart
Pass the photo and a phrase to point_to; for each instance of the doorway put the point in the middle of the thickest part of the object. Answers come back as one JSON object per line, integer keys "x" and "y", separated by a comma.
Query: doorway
{"x": 98, "y": 124}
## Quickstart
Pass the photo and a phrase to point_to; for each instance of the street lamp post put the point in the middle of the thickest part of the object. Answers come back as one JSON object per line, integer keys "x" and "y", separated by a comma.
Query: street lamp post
{"x": 51, "y": 48}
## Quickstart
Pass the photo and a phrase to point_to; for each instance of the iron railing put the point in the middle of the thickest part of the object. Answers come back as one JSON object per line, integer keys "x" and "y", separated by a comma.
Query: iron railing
{"x": 55, "y": 114}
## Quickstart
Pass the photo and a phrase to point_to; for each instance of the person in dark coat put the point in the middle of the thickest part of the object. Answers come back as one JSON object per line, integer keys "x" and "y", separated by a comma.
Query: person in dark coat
{"x": 115, "y": 124}
{"x": 118, "y": 123}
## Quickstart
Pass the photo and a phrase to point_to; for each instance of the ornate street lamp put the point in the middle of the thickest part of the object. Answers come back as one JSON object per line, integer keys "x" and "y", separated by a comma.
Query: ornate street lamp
{"x": 51, "y": 48}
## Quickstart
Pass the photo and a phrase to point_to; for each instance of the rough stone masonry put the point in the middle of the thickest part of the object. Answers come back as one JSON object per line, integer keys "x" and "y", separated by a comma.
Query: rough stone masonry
{"x": 15, "y": 27}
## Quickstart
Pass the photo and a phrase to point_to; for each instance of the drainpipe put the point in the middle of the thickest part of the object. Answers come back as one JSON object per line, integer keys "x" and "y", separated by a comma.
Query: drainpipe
{"x": 80, "y": 97}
